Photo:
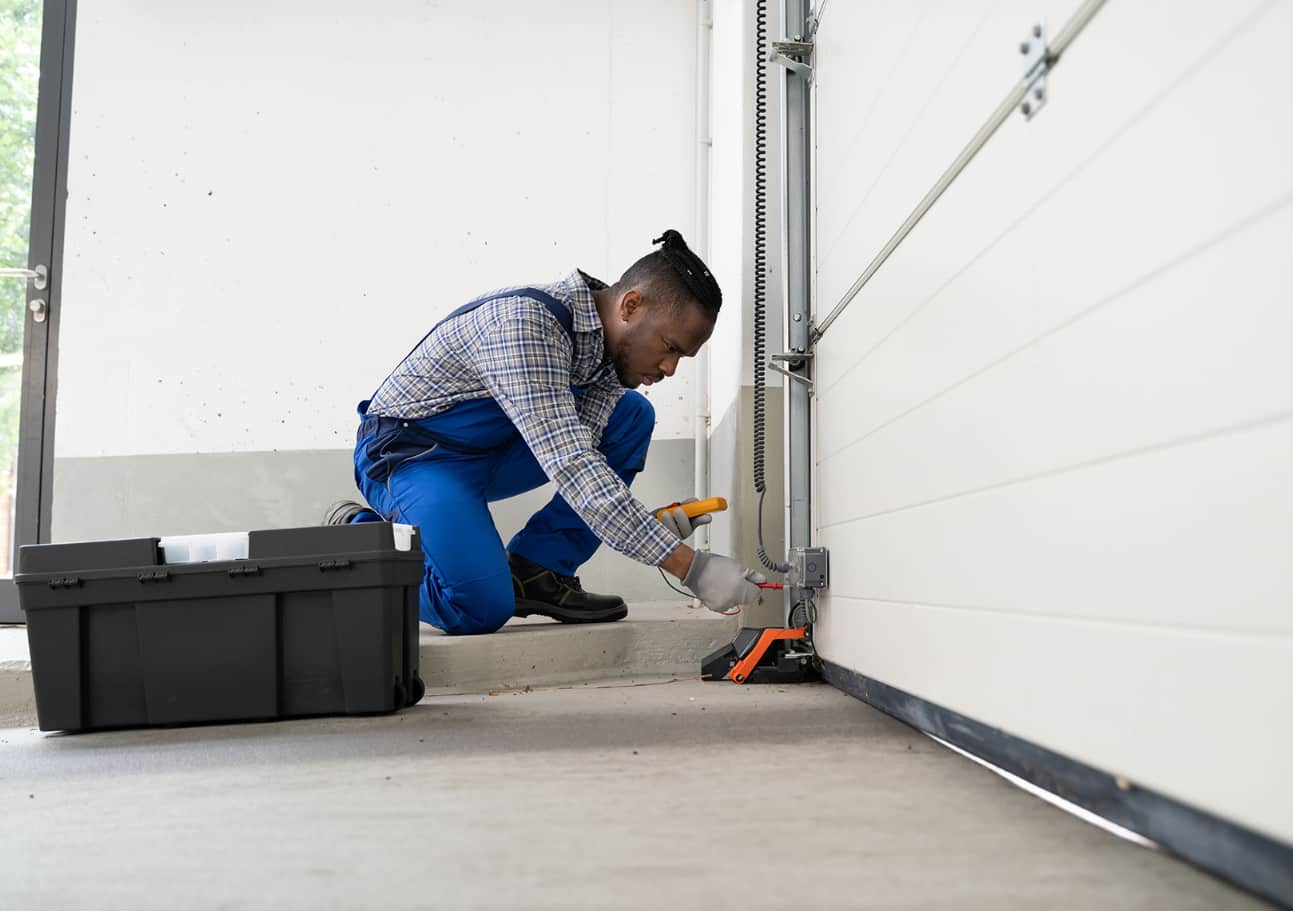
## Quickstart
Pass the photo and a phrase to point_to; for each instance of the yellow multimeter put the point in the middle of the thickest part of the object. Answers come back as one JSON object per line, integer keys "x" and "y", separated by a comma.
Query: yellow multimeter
{"x": 698, "y": 508}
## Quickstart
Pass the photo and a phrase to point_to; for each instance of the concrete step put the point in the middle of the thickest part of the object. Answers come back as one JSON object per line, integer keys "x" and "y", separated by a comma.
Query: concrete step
{"x": 17, "y": 704}
{"x": 657, "y": 638}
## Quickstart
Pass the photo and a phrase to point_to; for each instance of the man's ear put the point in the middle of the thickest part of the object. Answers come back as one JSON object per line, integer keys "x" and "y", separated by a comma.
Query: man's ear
{"x": 630, "y": 303}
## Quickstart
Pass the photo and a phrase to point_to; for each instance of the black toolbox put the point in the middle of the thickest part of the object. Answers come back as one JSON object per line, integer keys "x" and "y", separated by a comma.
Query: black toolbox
{"x": 312, "y": 621}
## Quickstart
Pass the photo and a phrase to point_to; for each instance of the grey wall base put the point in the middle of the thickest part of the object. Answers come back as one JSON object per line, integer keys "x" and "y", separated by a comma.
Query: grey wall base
{"x": 131, "y": 496}
{"x": 1247, "y": 859}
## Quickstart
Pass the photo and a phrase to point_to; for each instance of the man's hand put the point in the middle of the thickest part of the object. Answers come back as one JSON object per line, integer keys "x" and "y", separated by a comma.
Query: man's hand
{"x": 722, "y": 583}
{"x": 677, "y": 521}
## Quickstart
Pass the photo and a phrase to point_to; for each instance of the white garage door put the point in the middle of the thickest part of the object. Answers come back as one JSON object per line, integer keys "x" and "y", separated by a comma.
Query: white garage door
{"x": 1054, "y": 460}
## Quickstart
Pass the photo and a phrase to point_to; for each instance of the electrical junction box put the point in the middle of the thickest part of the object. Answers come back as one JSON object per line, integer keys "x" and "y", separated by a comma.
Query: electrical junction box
{"x": 810, "y": 567}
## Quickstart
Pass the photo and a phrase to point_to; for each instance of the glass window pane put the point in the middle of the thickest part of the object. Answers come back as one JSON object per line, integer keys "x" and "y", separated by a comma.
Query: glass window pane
{"x": 19, "y": 75}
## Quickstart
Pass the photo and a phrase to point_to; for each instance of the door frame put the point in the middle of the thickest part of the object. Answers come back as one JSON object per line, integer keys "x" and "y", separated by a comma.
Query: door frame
{"x": 35, "y": 472}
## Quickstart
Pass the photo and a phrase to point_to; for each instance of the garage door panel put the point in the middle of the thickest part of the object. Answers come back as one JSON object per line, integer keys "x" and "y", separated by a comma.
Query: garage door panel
{"x": 1195, "y": 536}
{"x": 1134, "y": 142}
{"x": 907, "y": 94}
{"x": 935, "y": 58}
{"x": 1135, "y": 211}
{"x": 1139, "y": 702}
{"x": 1199, "y": 349}
{"x": 1054, "y": 433}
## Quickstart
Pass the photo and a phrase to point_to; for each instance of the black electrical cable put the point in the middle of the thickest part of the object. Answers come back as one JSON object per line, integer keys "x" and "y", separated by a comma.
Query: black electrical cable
{"x": 761, "y": 263}
{"x": 680, "y": 591}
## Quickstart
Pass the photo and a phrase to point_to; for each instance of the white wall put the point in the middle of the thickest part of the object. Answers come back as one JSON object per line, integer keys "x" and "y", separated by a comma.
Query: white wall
{"x": 270, "y": 203}
{"x": 1055, "y": 435}
{"x": 732, "y": 261}
{"x": 732, "y": 196}
{"x": 731, "y": 182}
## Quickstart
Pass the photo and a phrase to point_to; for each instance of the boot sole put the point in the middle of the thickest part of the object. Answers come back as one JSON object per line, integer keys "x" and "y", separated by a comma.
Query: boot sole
{"x": 526, "y": 608}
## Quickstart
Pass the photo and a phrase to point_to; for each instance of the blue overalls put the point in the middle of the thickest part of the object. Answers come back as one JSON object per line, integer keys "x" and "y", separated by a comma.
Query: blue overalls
{"x": 440, "y": 473}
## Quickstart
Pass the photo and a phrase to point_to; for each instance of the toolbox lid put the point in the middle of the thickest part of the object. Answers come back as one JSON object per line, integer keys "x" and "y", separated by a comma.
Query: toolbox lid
{"x": 367, "y": 538}
{"x": 81, "y": 555}
{"x": 332, "y": 540}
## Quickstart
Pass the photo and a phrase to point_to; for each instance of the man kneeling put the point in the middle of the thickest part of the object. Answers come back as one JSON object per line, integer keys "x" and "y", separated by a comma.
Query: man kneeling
{"x": 527, "y": 385}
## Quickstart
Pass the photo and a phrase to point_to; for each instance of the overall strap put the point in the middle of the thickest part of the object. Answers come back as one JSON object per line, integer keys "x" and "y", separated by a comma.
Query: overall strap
{"x": 555, "y": 307}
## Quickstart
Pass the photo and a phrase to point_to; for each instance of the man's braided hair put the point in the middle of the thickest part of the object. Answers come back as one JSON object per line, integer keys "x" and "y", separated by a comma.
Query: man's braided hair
{"x": 676, "y": 273}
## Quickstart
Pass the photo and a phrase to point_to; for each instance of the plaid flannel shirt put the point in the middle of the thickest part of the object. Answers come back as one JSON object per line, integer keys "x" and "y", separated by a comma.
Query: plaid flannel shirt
{"x": 513, "y": 350}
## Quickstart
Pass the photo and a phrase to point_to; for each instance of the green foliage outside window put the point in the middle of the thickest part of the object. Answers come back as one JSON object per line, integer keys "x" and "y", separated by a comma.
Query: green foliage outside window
{"x": 19, "y": 71}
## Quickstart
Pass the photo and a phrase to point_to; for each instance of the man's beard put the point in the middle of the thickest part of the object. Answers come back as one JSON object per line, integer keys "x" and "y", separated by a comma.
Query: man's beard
{"x": 620, "y": 358}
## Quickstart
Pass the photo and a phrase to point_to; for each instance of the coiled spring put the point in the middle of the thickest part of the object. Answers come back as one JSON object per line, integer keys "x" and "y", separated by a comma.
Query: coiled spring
{"x": 761, "y": 262}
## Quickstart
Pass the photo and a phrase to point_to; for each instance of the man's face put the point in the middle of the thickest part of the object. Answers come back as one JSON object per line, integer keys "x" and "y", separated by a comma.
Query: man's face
{"x": 654, "y": 337}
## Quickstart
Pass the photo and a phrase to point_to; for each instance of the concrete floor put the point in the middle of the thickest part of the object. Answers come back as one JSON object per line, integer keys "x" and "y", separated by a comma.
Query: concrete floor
{"x": 657, "y": 795}
{"x": 658, "y": 638}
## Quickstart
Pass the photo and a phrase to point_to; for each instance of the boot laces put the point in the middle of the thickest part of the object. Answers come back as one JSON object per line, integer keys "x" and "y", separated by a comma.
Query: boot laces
{"x": 569, "y": 581}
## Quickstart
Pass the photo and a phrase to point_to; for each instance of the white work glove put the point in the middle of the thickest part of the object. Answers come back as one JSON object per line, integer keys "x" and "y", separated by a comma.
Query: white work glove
{"x": 722, "y": 583}
{"x": 677, "y": 521}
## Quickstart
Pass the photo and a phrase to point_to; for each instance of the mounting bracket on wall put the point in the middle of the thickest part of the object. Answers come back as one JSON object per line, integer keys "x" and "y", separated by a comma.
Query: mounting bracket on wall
{"x": 1037, "y": 63}
{"x": 797, "y": 360}
{"x": 791, "y": 54}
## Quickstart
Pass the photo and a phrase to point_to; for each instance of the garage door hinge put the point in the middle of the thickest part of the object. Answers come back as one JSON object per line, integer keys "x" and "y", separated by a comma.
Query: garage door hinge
{"x": 1037, "y": 63}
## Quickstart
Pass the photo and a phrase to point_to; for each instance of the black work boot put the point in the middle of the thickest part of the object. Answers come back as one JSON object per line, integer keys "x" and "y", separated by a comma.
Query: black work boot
{"x": 541, "y": 591}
